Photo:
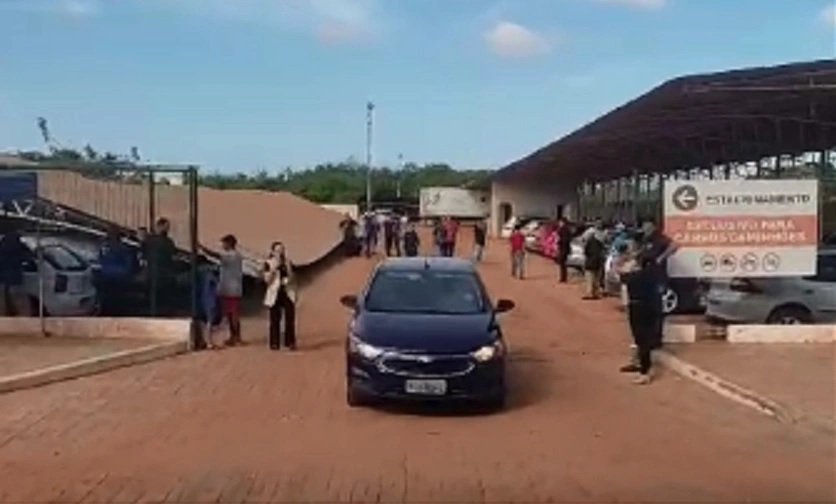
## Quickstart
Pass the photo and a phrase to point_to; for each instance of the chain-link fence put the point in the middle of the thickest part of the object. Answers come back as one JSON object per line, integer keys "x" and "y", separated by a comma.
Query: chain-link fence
{"x": 108, "y": 240}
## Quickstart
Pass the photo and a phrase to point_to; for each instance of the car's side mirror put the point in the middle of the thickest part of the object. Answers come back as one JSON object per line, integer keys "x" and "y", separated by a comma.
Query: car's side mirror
{"x": 504, "y": 305}
{"x": 349, "y": 301}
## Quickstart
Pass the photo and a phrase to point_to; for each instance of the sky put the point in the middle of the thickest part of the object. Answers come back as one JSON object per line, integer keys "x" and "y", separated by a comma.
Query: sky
{"x": 245, "y": 85}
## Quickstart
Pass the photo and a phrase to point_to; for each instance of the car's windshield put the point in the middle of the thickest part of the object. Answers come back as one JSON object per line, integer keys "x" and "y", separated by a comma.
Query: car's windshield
{"x": 427, "y": 291}
{"x": 64, "y": 259}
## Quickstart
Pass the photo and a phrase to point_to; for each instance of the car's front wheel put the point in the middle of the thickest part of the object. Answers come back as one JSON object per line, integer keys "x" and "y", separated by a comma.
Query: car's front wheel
{"x": 495, "y": 404}
{"x": 670, "y": 301}
{"x": 790, "y": 315}
{"x": 354, "y": 398}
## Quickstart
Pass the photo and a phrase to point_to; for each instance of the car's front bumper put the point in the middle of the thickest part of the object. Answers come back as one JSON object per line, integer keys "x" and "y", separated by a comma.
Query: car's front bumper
{"x": 485, "y": 382}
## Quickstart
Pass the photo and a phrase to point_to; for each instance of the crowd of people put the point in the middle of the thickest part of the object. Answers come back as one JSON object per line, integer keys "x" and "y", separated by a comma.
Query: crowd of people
{"x": 639, "y": 261}
{"x": 400, "y": 236}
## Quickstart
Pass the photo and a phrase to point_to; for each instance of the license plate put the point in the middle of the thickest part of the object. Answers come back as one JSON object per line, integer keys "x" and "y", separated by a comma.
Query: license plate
{"x": 426, "y": 387}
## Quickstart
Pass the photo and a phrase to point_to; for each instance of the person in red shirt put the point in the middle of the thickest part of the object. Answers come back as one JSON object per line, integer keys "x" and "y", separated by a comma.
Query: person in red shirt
{"x": 517, "y": 253}
{"x": 451, "y": 229}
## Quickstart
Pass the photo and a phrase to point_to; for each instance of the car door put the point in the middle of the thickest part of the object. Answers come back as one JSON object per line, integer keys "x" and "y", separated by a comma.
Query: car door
{"x": 820, "y": 290}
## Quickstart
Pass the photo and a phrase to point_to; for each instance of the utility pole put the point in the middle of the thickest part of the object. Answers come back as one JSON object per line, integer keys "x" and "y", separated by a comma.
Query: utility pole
{"x": 369, "y": 145}
{"x": 400, "y": 176}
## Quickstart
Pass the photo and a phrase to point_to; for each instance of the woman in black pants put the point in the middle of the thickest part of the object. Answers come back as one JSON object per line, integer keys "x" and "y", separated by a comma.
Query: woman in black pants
{"x": 280, "y": 298}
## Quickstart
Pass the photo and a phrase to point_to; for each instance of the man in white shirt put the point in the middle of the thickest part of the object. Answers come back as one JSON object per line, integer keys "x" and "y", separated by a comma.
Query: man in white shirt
{"x": 231, "y": 287}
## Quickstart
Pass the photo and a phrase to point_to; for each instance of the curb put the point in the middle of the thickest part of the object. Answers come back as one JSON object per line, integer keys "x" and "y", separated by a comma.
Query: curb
{"x": 725, "y": 388}
{"x": 94, "y": 365}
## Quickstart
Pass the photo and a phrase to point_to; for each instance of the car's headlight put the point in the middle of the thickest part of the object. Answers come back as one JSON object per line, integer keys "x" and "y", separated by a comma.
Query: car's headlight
{"x": 362, "y": 349}
{"x": 488, "y": 352}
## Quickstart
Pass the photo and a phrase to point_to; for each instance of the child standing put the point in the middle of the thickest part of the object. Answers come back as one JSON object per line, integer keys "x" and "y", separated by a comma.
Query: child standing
{"x": 230, "y": 287}
{"x": 209, "y": 314}
{"x": 517, "y": 253}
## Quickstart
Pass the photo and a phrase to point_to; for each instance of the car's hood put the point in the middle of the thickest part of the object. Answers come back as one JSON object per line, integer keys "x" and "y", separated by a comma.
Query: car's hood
{"x": 425, "y": 333}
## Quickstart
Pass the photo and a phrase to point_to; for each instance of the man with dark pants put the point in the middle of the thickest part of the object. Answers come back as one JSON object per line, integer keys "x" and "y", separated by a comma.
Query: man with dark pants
{"x": 564, "y": 248}
{"x": 643, "y": 309}
{"x": 657, "y": 248}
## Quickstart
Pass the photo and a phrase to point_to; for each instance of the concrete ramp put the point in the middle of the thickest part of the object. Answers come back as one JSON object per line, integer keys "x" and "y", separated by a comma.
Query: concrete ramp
{"x": 257, "y": 218}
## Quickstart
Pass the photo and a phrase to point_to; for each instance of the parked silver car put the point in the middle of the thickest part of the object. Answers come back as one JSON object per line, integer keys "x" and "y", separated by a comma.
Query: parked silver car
{"x": 784, "y": 300}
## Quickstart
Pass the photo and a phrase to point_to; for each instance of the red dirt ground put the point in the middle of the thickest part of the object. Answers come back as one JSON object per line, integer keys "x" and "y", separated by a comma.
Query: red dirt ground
{"x": 249, "y": 425}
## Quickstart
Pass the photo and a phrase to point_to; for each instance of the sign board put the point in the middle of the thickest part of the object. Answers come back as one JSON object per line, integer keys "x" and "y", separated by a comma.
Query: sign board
{"x": 16, "y": 186}
{"x": 454, "y": 202}
{"x": 742, "y": 228}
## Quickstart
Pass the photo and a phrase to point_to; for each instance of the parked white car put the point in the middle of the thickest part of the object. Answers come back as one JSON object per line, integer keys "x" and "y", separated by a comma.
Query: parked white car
{"x": 783, "y": 300}
{"x": 527, "y": 223}
{"x": 67, "y": 278}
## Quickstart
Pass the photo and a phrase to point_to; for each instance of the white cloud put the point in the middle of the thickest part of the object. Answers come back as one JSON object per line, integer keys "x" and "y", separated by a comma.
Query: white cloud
{"x": 512, "y": 40}
{"x": 333, "y": 21}
{"x": 642, "y": 4}
{"x": 828, "y": 15}
{"x": 75, "y": 9}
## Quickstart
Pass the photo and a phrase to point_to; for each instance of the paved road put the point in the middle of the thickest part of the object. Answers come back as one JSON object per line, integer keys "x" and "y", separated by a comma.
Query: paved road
{"x": 248, "y": 425}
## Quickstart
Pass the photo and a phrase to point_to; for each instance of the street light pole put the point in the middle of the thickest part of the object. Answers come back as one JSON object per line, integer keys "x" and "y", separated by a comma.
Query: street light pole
{"x": 369, "y": 145}
{"x": 400, "y": 176}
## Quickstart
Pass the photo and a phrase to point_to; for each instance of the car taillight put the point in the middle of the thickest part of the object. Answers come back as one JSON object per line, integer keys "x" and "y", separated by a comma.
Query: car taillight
{"x": 61, "y": 282}
{"x": 744, "y": 285}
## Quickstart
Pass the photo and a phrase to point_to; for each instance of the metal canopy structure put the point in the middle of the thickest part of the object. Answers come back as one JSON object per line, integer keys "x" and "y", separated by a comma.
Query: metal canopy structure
{"x": 698, "y": 121}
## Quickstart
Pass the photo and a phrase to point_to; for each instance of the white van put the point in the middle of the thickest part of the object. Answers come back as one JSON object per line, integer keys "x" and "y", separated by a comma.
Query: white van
{"x": 68, "y": 288}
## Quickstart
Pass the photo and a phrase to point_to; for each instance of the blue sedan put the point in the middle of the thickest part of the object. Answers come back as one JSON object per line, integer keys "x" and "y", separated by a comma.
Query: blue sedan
{"x": 424, "y": 328}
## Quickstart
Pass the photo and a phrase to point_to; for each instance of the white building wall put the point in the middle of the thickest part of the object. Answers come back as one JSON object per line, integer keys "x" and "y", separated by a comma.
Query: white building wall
{"x": 342, "y": 209}
{"x": 531, "y": 200}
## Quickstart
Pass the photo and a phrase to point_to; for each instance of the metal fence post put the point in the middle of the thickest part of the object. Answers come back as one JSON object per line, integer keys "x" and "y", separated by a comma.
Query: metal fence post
{"x": 194, "y": 244}
{"x": 152, "y": 261}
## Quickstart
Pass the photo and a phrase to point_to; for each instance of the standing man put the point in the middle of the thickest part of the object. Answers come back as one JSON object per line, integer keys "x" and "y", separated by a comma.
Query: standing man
{"x": 517, "y": 241}
{"x": 160, "y": 250}
{"x": 564, "y": 247}
{"x": 231, "y": 287}
{"x": 438, "y": 236}
{"x": 411, "y": 241}
{"x": 656, "y": 247}
{"x": 370, "y": 234}
{"x": 595, "y": 257}
{"x": 480, "y": 231}
{"x": 643, "y": 309}
{"x": 450, "y": 229}
{"x": 389, "y": 235}
{"x": 13, "y": 253}
{"x": 348, "y": 226}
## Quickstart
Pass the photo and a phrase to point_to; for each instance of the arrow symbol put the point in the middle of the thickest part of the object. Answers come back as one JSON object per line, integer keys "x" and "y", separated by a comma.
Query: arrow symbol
{"x": 685, "y": 198}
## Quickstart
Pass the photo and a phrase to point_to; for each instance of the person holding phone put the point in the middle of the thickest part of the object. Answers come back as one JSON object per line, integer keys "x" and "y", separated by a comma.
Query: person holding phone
{"x": 280, "y": 298}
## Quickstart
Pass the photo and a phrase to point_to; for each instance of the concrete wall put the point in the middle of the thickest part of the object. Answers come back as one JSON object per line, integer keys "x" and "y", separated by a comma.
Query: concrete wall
{"x": 539, "y": 199}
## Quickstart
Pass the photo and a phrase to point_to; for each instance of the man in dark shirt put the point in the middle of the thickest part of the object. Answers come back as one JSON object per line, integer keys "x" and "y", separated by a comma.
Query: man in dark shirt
{"x": 161, "y": 250}
{"x": 657, "y": 248}
{"x": 13, "y": 253}
{"x": 411, "y": 242}
{"x": 643, "y": 310}
{"x": 389, "y": 235}
{"x": 595, "y": 257}
{"x": 348, "y": 226}
{"x": 564, "y": 247}
{"x": 479, "y": 240}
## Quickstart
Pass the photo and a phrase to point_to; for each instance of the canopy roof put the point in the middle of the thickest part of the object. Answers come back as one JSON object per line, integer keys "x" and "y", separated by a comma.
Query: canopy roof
{"x": 699, "y": 120}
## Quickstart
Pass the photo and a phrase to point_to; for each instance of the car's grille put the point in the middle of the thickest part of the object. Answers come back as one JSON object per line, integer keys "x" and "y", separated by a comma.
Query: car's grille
{"x": 426, "y": 365}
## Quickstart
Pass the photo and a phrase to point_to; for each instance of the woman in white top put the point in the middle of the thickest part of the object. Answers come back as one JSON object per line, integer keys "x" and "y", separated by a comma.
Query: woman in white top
{"x": 281, "y": 297}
